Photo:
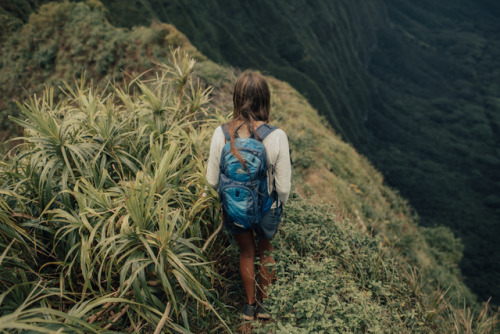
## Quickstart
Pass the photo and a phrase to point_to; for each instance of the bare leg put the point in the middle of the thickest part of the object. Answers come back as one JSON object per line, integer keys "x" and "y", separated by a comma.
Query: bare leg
{"x": 266, "y": 275}
{"x": 246, "y": 242}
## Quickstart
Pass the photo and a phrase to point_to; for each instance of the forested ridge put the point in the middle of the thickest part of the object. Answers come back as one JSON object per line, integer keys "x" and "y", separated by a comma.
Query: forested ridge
{"x": 389, "y": 273}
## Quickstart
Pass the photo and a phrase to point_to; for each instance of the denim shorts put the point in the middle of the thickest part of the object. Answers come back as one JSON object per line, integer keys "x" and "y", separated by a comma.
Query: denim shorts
{"x": 266, "y": 229}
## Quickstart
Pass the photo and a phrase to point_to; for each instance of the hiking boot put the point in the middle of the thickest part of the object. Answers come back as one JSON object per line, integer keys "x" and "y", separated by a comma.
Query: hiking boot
{"x": 249, "y": 311}
{"x": 263, "y": 312}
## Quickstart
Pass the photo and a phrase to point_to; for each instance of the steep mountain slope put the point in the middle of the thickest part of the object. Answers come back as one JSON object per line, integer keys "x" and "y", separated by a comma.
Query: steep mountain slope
{"x": 443, "y": 123}
{"x": 411, "y": 85}
{"x": 386, "y": 255}
{"x": 290, "y": 40}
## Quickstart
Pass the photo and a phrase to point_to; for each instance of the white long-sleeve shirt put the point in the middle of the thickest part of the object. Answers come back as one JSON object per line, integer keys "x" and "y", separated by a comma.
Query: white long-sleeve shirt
{"x": 278, "y": 156}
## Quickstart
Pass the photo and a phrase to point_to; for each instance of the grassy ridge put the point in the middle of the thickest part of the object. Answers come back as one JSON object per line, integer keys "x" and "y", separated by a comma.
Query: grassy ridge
{"x": 331, "y": 171}
{"x": 114, "y": 151}
{"x": 328, "y": 170}
{"x": 412, "y": 85}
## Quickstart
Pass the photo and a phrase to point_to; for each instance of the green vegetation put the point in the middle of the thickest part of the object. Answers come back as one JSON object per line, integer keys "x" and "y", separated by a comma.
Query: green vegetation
{"x": 444, "y": 153}
{"x": 341, "y": 284}
{"x": 104, "y": 226}
{"x": 333, "y": 172}
{"x": 349, "y": 283}
{"x": 413, "y": 85}
{"x": 67, "y": 40}
{"x": 287, "y": 39}
{"x": 103, "y": 218}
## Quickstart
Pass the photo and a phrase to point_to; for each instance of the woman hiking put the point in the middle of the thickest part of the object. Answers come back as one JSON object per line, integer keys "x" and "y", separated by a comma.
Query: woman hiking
{"x": 251, "y": 106}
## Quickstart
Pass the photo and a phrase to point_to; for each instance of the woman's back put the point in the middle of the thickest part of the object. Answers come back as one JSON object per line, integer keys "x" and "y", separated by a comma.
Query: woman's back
{"x": 278, "y": 160}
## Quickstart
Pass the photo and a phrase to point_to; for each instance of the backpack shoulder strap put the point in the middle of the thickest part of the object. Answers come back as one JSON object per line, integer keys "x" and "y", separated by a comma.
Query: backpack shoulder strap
{"x": 225, "y": 128}
{"x": 264, "y": 130}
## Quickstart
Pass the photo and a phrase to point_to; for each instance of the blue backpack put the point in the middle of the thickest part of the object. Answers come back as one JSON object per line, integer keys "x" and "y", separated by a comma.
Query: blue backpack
{"x": 243, "y": 192}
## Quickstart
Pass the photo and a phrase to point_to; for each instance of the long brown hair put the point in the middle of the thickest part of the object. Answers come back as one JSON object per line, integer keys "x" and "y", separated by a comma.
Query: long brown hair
{"x": 251, "y": 103}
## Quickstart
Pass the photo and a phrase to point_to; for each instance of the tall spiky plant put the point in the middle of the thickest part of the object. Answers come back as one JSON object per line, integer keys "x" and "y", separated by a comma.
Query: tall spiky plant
{"x": 105, "y": 194}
